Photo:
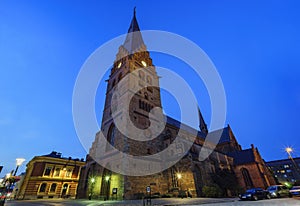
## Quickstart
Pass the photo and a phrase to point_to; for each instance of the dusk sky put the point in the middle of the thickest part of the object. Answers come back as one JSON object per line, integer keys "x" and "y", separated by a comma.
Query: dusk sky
{"x": 255, "y": 46}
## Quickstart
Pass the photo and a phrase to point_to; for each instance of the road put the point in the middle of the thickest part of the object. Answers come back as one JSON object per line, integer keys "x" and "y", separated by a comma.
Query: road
{"x": 169, "y": 202}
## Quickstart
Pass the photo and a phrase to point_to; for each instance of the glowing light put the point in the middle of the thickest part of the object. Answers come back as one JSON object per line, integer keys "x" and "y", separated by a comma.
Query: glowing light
{"x": 289, "y": 150}
{"x": 92, "y": 180}
{"x": 179, "y": 176}
{"x": 106, "y": 178}
{"x": 144, "y": 63}
{"x": 19, "y": 161}
{"x": 119, "y": 65}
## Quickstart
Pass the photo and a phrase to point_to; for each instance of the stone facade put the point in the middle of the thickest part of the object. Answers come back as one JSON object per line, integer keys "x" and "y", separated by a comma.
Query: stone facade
{"x": 50, "y": 176}
{"x": 189, "y": 175}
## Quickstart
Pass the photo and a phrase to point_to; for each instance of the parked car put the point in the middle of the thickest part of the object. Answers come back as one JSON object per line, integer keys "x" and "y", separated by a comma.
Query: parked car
{"x": 295, "y": 191}
{"x": 278, "y": 191}
{"x": 255, "y": 194}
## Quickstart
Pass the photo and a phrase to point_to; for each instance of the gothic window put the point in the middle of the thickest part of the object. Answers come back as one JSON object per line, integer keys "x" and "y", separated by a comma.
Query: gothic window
{"x": 111, "y": 135}
{"x": 146, "y": 95}
{"x": 120, "y": 77}
{"x": 174, "y": 177}
{"x": 149, "y": 80}
{"x": 247, "y": 178}
{"x": 143, "y": 105}
{"x": 142, "y": 75}
{"x": 53, "y": 187}
{"x": 43, "y": 187}
{"x": 113, "y": 84}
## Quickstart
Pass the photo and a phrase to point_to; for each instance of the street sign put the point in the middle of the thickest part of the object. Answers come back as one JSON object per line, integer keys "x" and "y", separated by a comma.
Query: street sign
{"x": 148, "y": 189}
{"x": 114, "y": 191}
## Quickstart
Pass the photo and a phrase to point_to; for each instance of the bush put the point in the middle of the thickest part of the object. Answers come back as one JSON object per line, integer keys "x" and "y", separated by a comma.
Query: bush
{"x": 167, "y": 195}
{"x": 139, "y": 195}
{"x": 212, "y": 191}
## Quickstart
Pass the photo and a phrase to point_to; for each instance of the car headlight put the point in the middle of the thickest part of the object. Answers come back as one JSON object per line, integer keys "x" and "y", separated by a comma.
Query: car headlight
{"x": 249, "y": 195}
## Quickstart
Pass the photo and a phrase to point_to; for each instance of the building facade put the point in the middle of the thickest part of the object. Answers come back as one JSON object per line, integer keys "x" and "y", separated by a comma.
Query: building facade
{"x": 50, "y": 176}
{"x": 189, "y": 174}
{"x": 286, "y": 171}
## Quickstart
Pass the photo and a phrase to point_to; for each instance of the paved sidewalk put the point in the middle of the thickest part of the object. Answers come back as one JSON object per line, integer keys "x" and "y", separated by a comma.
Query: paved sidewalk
{"x": 162, "y": 201}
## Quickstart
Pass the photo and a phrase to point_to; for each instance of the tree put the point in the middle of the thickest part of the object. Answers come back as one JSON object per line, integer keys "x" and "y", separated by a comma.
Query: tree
{"x": 226, "y": 180}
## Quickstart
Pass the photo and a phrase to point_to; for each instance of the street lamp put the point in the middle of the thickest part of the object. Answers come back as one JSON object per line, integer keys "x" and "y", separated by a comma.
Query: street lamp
{"x": 179, "y": 176}
{"x": 289, "y": 150}
{"x": 19, "y": 162}
{"x": 91, "y": 188}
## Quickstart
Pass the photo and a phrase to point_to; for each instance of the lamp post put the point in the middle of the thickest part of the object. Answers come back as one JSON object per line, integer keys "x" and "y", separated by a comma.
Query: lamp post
{"x": 289, "y": 150}
{"x": 19, "y": 162}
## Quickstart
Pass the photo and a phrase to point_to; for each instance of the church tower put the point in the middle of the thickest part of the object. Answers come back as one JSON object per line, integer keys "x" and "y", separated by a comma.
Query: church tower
{"x": 132, "y": 58}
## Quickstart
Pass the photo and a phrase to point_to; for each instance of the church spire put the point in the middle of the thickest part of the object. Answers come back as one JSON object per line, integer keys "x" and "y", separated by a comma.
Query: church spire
{"x": 134, "y": 41}
{"x": 203, "y": 126}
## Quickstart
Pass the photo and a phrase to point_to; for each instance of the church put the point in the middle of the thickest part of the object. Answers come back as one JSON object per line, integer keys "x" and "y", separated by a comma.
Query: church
{"x": 228, "y": 170}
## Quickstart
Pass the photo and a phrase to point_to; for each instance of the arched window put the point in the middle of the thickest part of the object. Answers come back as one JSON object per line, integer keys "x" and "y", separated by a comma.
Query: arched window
{"x": 43, "y": 187}
{"x": 142, "y": 75}
{"x": 247, "y": 178}
{"x": 111, "y": 134}
{"x": 120, "y": 77}
{"x": 113, "y": 84}
{"x": 64, "y": 190}
{"x": 53, "y": 187}
{"x": 146, "y": 95}
{"x": 149, "y": 80}
{"x": 174, "y": 177}
{"x": 143, "y": 105}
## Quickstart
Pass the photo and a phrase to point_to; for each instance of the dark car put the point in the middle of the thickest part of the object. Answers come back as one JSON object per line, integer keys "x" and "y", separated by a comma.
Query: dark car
{"x": 295, "y": 191}
{"x": 255, "y": 194}
{"x": 278, "y": 191}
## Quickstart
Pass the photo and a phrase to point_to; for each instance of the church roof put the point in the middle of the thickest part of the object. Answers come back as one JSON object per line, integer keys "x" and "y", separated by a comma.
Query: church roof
{"x": 242, "y": 157}
{"x": 185, "y": 127}
{"x": 225, "y": 137}
{"x": 134, "y": 40}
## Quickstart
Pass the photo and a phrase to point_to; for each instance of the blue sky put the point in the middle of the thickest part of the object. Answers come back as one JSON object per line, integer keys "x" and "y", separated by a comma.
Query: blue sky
{"x": 255, "y": 46}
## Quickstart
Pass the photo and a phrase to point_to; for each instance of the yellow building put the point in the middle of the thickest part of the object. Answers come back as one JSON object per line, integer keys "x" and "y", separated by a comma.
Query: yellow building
{"x": 51, "y": 176}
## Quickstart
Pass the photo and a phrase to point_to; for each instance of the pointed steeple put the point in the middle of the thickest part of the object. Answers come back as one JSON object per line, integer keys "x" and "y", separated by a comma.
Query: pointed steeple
{"x": 203, "y": 126}
{"x": 134, "y": 41}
